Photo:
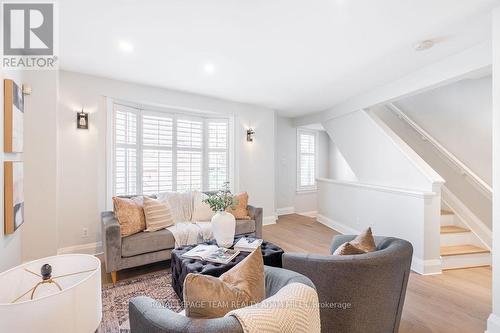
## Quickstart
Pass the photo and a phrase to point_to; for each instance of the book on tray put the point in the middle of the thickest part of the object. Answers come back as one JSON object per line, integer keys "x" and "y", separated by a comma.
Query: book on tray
{"x": 247, "y": 244}
{"x": 211, "y": 253}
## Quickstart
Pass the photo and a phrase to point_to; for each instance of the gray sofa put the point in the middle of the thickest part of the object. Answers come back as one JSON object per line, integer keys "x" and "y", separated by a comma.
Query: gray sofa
{"x": 358, "y": 293}
{"x": 149, "y": 247}
{"x": 146, "y": 316}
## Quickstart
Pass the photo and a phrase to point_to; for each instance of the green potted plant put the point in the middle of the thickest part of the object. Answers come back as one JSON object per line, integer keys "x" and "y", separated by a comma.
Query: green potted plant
{"x": 223, "y": 223}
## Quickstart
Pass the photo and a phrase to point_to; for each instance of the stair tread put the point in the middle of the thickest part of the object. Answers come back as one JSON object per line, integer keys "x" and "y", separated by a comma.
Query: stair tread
{"x": 451, "y": 229}
{"x": 446, "y": 212}
{"x": 462, "y": 249}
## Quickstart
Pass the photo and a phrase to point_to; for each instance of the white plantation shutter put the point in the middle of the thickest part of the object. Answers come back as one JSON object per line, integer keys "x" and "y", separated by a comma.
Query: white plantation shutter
{"x": 306, "y": 170}
{"x": 157, "y": 155}
{"x": 157, "y": 152}
{"x": 217, "y": 153}
{"x": 125, "y": 157}
{"x": 189, "y": 154}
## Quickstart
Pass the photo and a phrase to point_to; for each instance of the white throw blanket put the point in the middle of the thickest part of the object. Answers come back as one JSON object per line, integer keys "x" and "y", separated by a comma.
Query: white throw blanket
{"x": 293, "y": 309}
{"x": 188, "y": 233}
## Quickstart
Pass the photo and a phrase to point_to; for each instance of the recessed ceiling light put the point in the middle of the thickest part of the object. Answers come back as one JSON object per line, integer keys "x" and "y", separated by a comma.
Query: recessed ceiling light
{"x": 209, "y": 68}
{"x": 424, "y": 45}
{"x": 126, "y": 46}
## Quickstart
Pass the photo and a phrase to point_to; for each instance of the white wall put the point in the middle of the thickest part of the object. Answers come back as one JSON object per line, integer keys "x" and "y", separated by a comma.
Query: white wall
{"x": 458, "y": 116}
{"x": 494, "y": 318}
{"x": 82, "y": 153}
{"x": 376, "y": 155}
{"x": 339, "y": 169}
{"x": 456, "y": 182}
{"x": 288, "y": 200}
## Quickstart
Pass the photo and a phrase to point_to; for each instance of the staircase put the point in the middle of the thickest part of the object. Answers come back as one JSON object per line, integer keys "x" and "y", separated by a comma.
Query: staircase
{"x": 460, "y": 248}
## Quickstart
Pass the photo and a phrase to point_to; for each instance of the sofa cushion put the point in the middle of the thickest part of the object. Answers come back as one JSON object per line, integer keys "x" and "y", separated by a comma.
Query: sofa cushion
{"x": 244, "y": 227}
{"x": 145, "y": 242}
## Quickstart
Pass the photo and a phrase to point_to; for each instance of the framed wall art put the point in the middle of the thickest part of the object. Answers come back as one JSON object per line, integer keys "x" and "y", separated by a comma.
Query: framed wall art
{"x": 13, "y": 117}
{"x": 13, "y": 196}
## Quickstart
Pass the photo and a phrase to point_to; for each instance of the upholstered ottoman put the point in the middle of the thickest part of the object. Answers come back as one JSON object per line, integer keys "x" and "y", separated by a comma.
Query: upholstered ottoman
{"x": 183, "y": 266}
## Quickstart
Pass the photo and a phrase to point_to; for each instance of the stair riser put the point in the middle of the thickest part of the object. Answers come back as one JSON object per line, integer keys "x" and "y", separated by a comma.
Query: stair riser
{"x": 459, "y": 238}
{"x": 466, "y": 260}
{"x": 448, "y": 219}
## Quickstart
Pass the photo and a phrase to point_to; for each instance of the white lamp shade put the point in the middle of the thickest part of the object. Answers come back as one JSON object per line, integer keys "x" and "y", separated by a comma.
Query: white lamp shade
{"x": 77, "y": 308}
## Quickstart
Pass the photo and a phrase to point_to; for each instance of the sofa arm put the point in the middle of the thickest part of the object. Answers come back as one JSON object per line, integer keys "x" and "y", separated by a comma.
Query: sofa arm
{"x": 256, "y": 215}
{"x": 150, "y": 316}
{"x": 111, "y": 241}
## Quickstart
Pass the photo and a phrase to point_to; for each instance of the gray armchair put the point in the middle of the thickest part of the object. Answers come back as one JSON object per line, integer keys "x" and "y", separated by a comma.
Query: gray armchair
{"x": 147, "y": 316}
{"x": 358, "y": 293}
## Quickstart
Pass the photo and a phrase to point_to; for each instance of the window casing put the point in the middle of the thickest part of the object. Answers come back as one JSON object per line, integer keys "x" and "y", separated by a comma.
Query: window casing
{"x": 307, "y": 159}
{"x": 156, "y": 151}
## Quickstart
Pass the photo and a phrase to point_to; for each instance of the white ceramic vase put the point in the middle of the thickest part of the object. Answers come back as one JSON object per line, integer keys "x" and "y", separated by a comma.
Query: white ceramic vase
{"x": 223, "y": 228}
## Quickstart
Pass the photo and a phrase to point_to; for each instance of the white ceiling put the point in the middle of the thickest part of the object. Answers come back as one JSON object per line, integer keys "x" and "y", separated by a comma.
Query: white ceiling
{"x": 294, "y": 56}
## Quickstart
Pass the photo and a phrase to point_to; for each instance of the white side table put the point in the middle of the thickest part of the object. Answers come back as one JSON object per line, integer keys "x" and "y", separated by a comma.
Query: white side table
{"x": 67, "y": 301}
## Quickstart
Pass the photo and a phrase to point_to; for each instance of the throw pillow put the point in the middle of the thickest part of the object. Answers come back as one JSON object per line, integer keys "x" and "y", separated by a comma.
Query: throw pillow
{"x": 181, "y": 204}
{"x": 347, "y": 249}
{"x": 240, "y": 210}
{"x": 130, "y": 215}
{"x": 201, "y": 210}
{"x": 206, "y": 296}
{"x": 158, "y": 214}
{"x": 365, "y": 241}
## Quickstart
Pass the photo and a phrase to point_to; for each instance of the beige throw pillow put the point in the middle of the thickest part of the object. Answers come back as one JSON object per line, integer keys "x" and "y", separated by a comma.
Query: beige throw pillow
{"x": 240, "y": 211}
{"x": 365, "y": 241}
{"x": 347, "y": 249}
{"x": 130, "y": 215}
{"x": 201, "y": 210}
{"x": 158, "y": 214}
{"x": 206, "y": 296}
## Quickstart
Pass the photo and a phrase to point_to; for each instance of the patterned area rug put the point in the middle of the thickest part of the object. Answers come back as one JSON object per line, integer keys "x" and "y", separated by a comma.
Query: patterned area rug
{"x": 157, "y": 285}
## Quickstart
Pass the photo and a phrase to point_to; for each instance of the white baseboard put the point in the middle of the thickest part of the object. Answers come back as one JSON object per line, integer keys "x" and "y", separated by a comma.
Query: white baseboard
{"x": 493, "y": 324}
{"x": 89, "y": 248}
{"x": 465, "y": 215}
{"x": 339, "y": 227}
{"x": 312, "y": 213}
{"x": 423, "y": 267}
{"x": 426, "y": 267}
{"x": 267, "y": 220}
{"x": 285, "y": 211}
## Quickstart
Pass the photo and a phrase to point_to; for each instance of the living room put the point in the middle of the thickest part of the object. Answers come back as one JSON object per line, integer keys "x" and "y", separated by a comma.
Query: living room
{"x": 142, "y": 131}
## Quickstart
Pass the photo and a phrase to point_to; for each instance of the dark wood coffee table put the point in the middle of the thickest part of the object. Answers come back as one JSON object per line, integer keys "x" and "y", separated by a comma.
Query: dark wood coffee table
{"x": 183, "y": 266}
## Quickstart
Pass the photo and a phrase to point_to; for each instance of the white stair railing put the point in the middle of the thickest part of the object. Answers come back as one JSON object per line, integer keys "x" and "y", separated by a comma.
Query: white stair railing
{"x": 470, "y": 175}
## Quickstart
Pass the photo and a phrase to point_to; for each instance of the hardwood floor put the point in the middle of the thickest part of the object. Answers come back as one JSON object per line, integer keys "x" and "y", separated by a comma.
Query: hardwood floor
{"x": 457, "y": 301}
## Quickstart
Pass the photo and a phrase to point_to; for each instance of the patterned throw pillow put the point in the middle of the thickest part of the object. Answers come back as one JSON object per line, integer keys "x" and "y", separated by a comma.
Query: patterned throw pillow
{"x": 130, "y": 215}
{"x": 240, "y": 211}
{"x": 365, "y": 241}
{"x": 206, "y": 296}
{"x": 158, "y": 214}
{"x": 347, "y": 249}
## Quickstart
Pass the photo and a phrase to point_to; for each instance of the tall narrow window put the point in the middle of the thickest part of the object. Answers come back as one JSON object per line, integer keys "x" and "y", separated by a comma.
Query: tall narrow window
{"x": 306, "y": 160}
{"x": 156, "y": 152}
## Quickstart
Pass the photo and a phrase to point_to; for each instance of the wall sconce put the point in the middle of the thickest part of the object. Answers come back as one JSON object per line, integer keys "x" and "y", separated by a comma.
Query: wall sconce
{"x": 82, "y": 120}
{"x": 250, "y": 134}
